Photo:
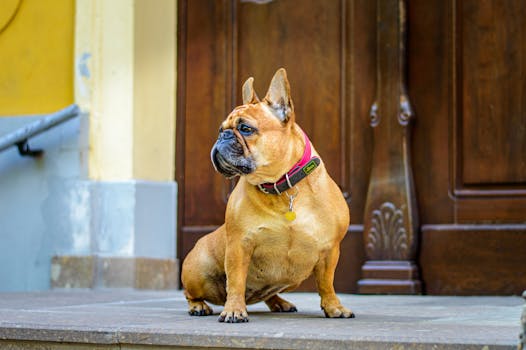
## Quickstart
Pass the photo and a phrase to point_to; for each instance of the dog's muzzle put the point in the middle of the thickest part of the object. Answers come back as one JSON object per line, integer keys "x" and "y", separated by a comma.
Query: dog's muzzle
{"x": 228, "y": 158}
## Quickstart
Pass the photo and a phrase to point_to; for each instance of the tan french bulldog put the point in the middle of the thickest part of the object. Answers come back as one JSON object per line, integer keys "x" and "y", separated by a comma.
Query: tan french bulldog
{"x": 284, "y": 220}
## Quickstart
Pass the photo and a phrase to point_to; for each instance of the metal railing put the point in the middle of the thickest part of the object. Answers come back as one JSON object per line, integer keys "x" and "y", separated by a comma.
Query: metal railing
{"x": 20, "y": 137}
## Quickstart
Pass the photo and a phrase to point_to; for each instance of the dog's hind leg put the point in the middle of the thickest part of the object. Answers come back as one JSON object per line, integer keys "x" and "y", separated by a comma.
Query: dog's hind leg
{"x": 209, "y": 289}
{"x": 198, "y": 308}
{"x": 203, "y": 274}
{"x": 277, "y": 304}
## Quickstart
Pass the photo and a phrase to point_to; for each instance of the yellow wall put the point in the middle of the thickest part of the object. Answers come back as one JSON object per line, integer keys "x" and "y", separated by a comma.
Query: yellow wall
{"x": 36, "y": 55}
{"x": 154, "y": 89}
{"x": 104, "y": 84}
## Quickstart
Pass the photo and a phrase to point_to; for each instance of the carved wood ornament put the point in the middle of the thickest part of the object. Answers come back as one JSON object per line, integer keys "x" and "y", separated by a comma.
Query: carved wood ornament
{"x": 387, "y": 236}
{"x": 391, "y": 219}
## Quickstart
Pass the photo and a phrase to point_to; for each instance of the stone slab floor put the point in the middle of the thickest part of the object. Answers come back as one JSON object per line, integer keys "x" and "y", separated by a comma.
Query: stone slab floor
{"x": 127, "y": 319}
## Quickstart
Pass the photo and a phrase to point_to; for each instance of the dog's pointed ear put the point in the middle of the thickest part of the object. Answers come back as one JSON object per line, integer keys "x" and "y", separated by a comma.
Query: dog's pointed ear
{"x": 278, "y": 96}
{"x": 249, "y": 95}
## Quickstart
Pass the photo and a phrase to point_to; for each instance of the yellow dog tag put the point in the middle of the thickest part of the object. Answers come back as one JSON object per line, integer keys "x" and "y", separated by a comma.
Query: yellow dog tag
{"x": 290, "y": 216}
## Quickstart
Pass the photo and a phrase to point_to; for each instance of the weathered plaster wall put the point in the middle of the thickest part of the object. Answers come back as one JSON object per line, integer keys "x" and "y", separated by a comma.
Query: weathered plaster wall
{"x": 39, "y": 198}
{"x": 103, "y": 195}
{"x": 48, "y": 207}
{"x": 41, "y": 204}
{"x": 125, "y": 76}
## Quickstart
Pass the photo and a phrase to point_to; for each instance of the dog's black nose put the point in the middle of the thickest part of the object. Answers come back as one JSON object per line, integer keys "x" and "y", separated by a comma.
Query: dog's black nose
{"x": 227, "y": 135}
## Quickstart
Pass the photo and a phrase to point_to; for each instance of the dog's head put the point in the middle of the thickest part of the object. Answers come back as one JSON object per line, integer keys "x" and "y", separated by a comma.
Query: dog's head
{"x": 255, "y": 136}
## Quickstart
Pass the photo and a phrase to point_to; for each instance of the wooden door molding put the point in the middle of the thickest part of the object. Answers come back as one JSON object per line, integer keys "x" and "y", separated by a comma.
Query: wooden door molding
{"x": 204, "y": 97}
{"x": 473, "y": 259}
{"x": 391, "y": 218}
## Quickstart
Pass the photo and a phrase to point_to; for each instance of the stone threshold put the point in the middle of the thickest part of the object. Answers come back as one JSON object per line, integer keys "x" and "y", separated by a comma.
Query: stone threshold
{"x": 129, "y": 319}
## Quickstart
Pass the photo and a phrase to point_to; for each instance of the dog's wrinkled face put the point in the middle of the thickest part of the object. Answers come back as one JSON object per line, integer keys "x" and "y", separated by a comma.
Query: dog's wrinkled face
{"x": 230, "y": 154}
{"x": 250, "y": 136}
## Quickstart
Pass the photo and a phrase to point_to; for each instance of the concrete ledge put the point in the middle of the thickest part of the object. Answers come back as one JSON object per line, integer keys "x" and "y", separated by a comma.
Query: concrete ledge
{"x": 114, "y": 272}
{"x": 109, "y": 319}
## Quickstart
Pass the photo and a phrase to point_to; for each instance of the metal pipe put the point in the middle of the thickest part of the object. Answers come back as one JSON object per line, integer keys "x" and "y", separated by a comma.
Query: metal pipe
{"x": 20, "y": 136}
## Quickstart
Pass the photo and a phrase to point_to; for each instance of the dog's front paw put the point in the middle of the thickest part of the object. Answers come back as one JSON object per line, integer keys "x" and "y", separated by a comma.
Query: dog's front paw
{"x": 337, "y": 311}
{"x": 233, "y": 315}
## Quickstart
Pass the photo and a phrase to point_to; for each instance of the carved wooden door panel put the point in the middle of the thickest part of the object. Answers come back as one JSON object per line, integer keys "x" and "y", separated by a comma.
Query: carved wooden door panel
{"x": 467, "y": 82}
{"x": 446, "y": 207}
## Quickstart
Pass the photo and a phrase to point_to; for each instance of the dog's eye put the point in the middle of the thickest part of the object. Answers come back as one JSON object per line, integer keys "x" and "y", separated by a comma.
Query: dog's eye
{"x": 245, "y": 130}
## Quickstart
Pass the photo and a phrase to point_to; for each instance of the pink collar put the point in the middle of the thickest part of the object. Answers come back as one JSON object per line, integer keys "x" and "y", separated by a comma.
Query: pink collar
{"x": 299, "y": 171}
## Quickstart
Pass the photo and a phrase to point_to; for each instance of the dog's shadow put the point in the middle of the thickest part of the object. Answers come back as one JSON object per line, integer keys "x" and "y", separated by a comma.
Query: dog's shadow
{"x": 264, "y": 314}
{"x": 296, "y": 314}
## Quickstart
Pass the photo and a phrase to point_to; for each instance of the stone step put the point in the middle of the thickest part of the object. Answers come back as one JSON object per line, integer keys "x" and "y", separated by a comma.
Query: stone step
{"x": 127, "y": 319}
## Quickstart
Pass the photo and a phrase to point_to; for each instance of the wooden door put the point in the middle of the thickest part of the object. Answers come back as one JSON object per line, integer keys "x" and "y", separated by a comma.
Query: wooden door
{"x": 221, "y": 43}
{"x": 464, "y": 74}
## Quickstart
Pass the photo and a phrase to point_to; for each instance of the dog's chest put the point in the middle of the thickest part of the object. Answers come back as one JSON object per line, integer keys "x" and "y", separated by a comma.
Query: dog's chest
{"x": 285, "y": 254}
